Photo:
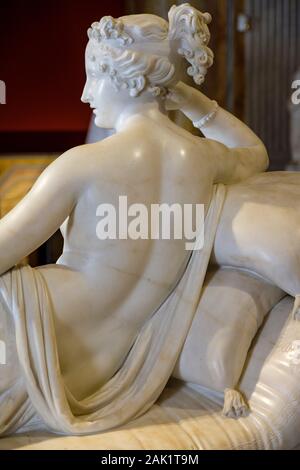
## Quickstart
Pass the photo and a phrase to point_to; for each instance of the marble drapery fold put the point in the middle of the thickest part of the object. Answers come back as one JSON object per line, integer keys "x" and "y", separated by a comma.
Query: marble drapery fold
{"x": 144, "y": 373}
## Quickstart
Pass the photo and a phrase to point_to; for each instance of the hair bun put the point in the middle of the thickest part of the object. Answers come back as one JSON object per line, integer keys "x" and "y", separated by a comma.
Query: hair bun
{"x": 189, "y": 32}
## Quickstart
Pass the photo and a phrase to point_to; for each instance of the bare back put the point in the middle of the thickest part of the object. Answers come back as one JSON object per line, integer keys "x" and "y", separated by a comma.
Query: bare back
{"x": 114, "y": 285}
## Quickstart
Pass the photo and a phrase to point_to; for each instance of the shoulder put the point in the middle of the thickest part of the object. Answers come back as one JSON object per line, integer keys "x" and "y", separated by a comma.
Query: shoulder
{"x": 75, "y": 155}
{"x": 85, "y": 153}
{"x": 77, "y": 165}
{"x": 66, "y": 173}
{"x": 71, "y": 164}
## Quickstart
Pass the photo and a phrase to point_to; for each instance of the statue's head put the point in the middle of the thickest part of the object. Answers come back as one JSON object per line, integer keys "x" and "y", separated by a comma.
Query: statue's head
{"x": 140, "y": 56}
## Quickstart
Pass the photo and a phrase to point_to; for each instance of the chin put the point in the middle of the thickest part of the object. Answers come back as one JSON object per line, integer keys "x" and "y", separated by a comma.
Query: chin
{"x": 102, "y": 123}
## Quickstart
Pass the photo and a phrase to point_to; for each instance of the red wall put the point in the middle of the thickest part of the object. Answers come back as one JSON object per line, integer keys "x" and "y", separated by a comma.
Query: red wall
{"x": 42, "y": 62}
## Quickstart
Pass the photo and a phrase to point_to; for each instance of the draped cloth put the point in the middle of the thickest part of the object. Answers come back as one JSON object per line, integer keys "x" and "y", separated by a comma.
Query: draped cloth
{"x": 145, "y": 370}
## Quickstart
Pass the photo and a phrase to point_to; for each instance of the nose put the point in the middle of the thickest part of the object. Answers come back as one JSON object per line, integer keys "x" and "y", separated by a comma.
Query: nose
{"x": 86, "y": 96}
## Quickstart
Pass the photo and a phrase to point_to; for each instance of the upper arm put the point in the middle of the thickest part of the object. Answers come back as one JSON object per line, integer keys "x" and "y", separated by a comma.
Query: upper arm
{"x": 41, "y": 212}
{"x": 231, "y": 165}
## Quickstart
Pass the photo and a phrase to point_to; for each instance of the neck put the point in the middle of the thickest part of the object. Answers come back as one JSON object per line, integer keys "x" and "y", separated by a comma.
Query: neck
{"x": 150, "y": 110}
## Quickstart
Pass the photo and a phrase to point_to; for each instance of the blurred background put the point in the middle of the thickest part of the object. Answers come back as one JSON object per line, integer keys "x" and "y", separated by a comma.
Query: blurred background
{"x": 257, "y": 60}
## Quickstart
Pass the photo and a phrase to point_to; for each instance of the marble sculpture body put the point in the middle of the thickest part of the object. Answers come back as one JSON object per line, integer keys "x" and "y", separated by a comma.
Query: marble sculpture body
{"x": 103, "y": 292}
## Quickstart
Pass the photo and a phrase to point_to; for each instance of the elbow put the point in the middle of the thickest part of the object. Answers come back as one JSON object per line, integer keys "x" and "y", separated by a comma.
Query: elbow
{"x": 260, "y": 160}
{"x": 255, "y": 160}
{"x": 264, "y": 158}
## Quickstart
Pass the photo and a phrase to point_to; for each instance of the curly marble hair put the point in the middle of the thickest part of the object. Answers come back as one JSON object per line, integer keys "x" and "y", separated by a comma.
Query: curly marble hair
{"x": 141, "y": 52}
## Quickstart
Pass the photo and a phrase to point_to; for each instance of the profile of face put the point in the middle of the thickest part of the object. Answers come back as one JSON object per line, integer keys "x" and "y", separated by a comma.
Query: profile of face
{"x": 99, "y": 92}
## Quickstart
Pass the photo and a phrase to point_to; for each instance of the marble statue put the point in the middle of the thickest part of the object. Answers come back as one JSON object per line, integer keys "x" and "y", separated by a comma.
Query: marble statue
{"x": 96, "y": 336}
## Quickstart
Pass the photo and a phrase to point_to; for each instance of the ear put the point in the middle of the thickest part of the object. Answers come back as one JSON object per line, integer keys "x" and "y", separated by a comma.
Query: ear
{"x": 136, "y": 85}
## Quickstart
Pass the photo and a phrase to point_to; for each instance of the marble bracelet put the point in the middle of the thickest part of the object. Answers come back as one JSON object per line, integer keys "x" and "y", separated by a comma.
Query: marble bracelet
{"x": 208, "y": 117}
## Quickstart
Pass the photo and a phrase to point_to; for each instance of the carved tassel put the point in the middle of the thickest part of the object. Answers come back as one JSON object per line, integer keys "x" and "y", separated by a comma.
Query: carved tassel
{"x": 235, "y": 406}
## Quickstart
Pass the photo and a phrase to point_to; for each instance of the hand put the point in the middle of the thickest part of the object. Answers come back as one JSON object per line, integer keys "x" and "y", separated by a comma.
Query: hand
{"x": 189, "y": 100}
{"x": 179, "y": 97}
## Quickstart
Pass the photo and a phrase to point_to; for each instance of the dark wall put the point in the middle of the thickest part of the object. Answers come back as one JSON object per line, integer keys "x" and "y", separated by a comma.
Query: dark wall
{"x": 42, "y": 63}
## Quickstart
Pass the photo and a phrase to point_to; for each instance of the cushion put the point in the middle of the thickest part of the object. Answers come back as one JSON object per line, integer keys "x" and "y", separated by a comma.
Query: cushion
{"x": 232, "y": 307}
{"x": 259, "y": 228}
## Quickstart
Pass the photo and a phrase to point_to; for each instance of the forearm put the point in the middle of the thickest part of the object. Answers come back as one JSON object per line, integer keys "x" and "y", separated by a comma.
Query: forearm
{"x": 224, "y": 127}
{"x": 243, "y": 153}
